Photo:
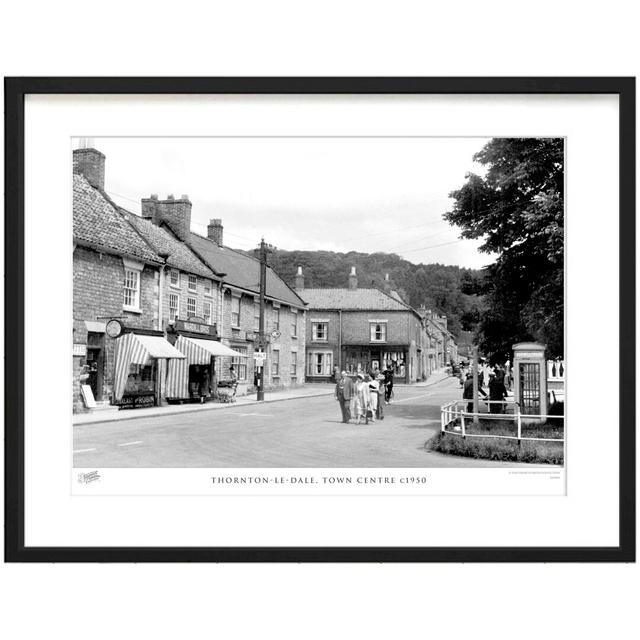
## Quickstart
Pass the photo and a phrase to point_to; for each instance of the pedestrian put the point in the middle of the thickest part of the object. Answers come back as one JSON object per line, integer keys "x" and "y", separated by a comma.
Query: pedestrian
{"x": 507, "y": 373}
{"x": 344, "y": 392}
{"x": 497, "y": 393}
{"x": 388, "y": 384}
{"x": 380, "y": 411}
{"x": 363, "y": 400}
{"x": 203, "y": 387}
{"x": 467, "y": 392}
{"x": 373, "y": 395}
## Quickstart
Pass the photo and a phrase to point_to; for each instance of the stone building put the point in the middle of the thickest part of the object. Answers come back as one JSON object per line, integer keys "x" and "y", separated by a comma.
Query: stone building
{"x": 361, "y": 329}
{"x": 238, "y": 300}
{"x": 115, "y": 275}
{"x": 284, "y": 324}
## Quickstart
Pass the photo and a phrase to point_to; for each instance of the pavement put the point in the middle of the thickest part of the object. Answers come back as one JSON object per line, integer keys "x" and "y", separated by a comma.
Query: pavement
{"x": 304, "y": 432}
{"x": 309, "y": 390}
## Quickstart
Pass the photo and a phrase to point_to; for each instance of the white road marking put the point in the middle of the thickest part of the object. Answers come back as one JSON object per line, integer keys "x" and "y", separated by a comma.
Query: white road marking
{"x": 82, "y": 450}
{"x": 126, "y": 444}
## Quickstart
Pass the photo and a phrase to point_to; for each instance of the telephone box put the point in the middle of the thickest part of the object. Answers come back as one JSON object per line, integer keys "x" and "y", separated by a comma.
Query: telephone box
{"x": 530, "y": 379}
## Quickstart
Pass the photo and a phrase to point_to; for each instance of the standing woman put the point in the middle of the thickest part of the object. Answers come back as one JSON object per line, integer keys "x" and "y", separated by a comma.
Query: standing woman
{"x": 374, "y": 387}
{"x": 362, "y": 399}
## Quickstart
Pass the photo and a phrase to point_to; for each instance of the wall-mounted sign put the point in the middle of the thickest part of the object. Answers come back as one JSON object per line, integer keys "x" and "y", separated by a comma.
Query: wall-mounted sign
{"x": 535, "y": 355}
{"x": 80, "y": 350}
{"x": 194, "y": 326}
{"x": 113, "y": 328}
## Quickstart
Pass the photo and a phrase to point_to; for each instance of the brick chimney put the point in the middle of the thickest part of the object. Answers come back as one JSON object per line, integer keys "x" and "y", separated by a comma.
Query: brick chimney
{"x": 90, "y": 163}
{"x": 353, "y": 279}
{"x": 299, "y": 279}
{"x": 175, "y": 212}
{"x": 214, "y": 231}
{"x": 387, "y": 283}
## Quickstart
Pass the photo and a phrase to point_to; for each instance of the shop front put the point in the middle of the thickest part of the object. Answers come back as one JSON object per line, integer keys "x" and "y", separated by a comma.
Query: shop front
{"x": 140, "y": 364}
{"x": 368, "y": 359}
{"x": 198, "y": 375}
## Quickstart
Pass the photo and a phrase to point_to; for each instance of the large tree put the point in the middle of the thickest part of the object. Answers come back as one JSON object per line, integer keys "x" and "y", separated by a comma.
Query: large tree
{"x": 517, "y": 208}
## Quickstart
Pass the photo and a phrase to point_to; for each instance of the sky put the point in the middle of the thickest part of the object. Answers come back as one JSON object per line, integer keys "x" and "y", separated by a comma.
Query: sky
{"x": 335, "y": 194}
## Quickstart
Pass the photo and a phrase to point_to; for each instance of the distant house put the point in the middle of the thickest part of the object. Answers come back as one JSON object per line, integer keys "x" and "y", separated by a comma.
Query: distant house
{"x": 361, "y": 329}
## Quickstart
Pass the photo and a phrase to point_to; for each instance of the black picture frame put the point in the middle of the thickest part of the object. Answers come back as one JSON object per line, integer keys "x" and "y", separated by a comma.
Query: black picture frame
{"x": 15, "y": 91}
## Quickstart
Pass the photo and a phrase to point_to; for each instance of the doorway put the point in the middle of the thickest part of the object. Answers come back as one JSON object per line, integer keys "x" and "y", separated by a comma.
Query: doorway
{"x": 95, "y": 364}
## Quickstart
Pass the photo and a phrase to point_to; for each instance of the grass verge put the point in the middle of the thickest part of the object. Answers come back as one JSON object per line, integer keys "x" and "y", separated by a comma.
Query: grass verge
{"x": 498, "y": 449}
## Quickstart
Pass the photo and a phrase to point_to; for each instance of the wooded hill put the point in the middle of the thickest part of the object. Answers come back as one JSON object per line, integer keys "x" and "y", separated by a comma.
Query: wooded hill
{"x": 443, "y": 289}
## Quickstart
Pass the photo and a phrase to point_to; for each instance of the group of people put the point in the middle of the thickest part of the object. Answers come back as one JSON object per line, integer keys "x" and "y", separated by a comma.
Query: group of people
{"x": 363, "y": 398}
{"x": 496, "y": 378}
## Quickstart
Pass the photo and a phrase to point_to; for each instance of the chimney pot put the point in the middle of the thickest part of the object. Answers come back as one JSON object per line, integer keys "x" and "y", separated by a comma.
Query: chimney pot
{"x": 299, "y": 279}
{"x": 353, "y": 279}
{"x": 214, "y": 230}
{"x": 90, "y": 163}
{"x": 176, "y": 213}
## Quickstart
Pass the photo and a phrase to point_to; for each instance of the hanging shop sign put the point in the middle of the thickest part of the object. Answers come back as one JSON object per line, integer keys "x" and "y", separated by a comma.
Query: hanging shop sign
{"x": 196, "y": 325}
{"x": 113, "y": 328}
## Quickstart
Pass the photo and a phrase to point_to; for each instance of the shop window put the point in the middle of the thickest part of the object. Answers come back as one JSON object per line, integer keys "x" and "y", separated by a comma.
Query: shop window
{"x": 193, "y": 283}
{"x": 174, "y": 278}
{"x": 240, "y": 364}
{"x": 319, "y": 363}
{"x": 174, "y": 306}
{"x": 141, "y": 379}
{"x": 191, "y": 307}
{"x": 132, "y": 289}
{"x": 235, "y": 311}
{"x": 206, "y": 312}
{"x": 319, "y": 331}
{"x": 378, "y": 331}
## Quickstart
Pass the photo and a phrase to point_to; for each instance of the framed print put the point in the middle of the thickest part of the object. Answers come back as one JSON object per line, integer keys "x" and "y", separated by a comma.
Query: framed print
{"x": 320, "y": 319}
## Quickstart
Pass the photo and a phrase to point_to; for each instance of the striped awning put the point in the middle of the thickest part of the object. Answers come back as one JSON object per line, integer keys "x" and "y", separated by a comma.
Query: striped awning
{"x": 134, "y": 348}
{"x": 197, "y": 351}
{"x": 214, "y": 348}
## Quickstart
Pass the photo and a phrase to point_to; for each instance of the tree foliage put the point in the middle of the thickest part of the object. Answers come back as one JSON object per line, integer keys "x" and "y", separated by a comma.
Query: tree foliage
{"x": 517, "y": 208}
{"x": 438, "y": 287}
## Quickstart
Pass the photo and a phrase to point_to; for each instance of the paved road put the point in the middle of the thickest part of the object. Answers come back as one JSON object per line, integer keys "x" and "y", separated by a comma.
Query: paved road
{"x": 305, "y": 432}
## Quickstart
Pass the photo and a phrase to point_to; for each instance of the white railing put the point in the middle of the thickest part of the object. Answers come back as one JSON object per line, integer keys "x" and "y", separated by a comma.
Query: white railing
{"x": 555, "y": 370}
{"x": 453, "y": 412}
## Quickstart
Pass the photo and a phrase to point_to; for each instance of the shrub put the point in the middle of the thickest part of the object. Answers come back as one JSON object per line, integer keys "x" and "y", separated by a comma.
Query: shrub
{"x": 498, "y": 449}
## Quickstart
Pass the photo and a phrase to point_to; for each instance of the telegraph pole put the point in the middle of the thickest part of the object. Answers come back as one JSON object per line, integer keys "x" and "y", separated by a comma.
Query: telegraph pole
{"x": 264, "y": 248}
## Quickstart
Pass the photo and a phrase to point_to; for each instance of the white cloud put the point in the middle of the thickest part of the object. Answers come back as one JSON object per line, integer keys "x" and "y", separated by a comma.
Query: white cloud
{"x": 339, "y": 194}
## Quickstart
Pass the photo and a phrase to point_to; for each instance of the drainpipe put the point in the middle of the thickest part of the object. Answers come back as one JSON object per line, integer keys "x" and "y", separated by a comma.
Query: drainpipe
{"x": 163, "y": 362}
{"x": 340, "y": 340}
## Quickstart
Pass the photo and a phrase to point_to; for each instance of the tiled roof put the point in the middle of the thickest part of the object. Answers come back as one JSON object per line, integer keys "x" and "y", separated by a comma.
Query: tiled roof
{"x": 353, "y": 300}
{"x": 98, "y": 223}
{"x": 242, "y": 271}
{"x": 163, "y": 241}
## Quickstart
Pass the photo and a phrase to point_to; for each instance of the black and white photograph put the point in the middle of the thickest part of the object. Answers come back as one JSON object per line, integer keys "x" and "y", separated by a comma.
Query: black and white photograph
{"x": 321, "y": 302}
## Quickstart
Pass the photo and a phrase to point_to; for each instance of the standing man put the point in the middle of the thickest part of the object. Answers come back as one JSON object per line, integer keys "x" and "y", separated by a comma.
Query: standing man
{"x": 388, "y": 383}
{"x": 344, "y": 393}
{"x": 467, "y": 391}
